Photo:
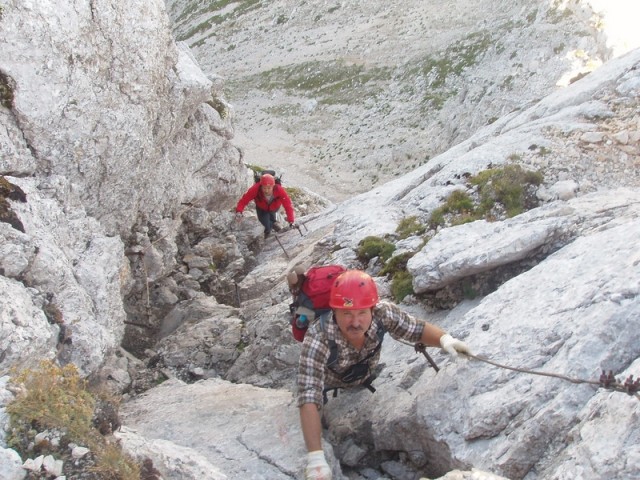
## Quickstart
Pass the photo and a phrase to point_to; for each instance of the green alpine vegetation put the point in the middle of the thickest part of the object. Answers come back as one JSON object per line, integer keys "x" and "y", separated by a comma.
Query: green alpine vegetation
{"x": 505, "y": 191}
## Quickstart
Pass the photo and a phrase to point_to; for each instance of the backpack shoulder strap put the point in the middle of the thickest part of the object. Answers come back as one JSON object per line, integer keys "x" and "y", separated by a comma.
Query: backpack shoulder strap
{"x": 303, "y": 300}
{"x": 380, "y": 334}
{"x": 381, "y": 331}
{"x": 324, "y": 318}
{"x": 333, "y": 346}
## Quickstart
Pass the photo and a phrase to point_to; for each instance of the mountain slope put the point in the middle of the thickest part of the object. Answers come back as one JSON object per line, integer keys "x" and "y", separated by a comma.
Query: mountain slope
{"x": 344, "y": 96}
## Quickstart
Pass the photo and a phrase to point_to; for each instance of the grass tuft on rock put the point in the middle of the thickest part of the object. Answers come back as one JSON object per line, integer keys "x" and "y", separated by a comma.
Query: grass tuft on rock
{"x": 56, "y": 399}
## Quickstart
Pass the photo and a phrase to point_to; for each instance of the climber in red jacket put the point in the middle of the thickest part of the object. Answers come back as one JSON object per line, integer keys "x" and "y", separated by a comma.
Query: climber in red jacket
{"x": 268, "y": 197}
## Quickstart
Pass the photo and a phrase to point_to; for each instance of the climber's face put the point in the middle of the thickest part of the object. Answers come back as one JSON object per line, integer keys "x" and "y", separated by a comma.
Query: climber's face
{"x": 353, "y": 324}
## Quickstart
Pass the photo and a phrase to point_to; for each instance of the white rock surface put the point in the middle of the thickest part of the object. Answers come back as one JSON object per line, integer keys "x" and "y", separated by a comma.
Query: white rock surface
{"x": 465, "y": 250}
{"x": 243, "y": 431}
{"x": 11, "y": 465}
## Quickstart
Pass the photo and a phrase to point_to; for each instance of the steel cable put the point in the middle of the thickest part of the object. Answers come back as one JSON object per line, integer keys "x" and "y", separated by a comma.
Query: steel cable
{"x": 608, "y": 381}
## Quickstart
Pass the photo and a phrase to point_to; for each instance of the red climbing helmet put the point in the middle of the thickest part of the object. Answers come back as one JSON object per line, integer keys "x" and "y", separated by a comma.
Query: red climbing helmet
{"x": 353, "y": 290}
{"x": 267, "y": 179}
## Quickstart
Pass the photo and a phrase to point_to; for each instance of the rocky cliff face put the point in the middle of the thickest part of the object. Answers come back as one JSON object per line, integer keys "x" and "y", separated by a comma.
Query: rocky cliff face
{"x": 99, "y": 112}
{"x": 108, "y": 141}
{"x": 118, "y": 170}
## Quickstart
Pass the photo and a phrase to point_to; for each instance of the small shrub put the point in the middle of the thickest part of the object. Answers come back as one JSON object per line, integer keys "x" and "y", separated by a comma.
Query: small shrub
{"x": 52, "y": 398}
{"x": 544, "y": 151}
{"x": 410, "y": 226}
{"x": 242, "y": 345}
{"x": 397, "y": 263}
{"x": 457, "y": 203}
{"x": 371, "y": 247}
{"x": 295, "y": 194}
{"x": 468, "y": 291}
{"x": 112, "y": 464}
{"x": 506, "y": 186}
{"x": 401, "y": 285}
{"x": 218, "y": 255}
{"x": 465, "y": 217}
{"x": 505, "y": 189}
{"x": 6, "y": 89}
{"x": 56, "y": 398}
{"x": 437, "y": 218}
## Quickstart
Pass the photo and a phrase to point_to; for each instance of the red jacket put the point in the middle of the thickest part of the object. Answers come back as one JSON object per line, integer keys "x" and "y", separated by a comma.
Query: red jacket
{"x": 280, "y": 199}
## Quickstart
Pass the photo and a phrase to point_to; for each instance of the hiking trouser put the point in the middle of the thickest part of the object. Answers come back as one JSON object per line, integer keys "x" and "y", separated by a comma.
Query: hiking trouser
{"x": 266, "y": 218}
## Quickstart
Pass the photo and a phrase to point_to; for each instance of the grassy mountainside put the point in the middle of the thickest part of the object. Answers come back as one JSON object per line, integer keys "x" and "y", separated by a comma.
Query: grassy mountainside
{"x": 345, "y": 95}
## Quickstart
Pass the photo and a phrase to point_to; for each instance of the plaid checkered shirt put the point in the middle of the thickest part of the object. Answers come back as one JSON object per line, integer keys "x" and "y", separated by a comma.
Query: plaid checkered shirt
{"x": 314, "y": 375}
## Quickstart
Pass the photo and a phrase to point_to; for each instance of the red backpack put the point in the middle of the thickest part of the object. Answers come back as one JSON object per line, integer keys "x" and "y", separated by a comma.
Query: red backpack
{"x": 318, "y": 282}
{"x": 313, "y": 299}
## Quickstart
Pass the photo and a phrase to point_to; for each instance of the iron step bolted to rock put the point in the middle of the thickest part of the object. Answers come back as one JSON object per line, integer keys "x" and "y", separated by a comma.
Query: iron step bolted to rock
{"x": 295, "y": 225}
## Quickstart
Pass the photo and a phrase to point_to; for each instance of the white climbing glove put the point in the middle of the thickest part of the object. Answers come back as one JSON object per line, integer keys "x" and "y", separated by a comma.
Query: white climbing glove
{"x": 239, "y": 217}
{"x": 317, "y": 467}
{"x": 452, "y": 345}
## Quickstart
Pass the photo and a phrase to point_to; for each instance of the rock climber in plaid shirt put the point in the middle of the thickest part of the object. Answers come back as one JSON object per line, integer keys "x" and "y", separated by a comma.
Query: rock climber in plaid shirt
{"x": 353, "y": 335}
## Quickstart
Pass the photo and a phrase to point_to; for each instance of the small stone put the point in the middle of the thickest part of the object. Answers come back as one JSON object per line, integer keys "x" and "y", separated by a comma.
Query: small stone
{"x": 79, "y": 452}
{"x": 621, "y": 137}
{"x": 40, "y": 438}
{"x": 52, "y": 466}
{"x": 592, "y": 137}
{"x": 33, "y": 464}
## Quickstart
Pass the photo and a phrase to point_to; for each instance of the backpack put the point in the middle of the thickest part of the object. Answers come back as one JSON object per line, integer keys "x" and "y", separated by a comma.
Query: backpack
{"x": 257, "y": 175}
{"x": 312, "y": 300}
